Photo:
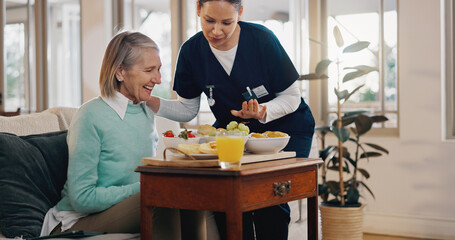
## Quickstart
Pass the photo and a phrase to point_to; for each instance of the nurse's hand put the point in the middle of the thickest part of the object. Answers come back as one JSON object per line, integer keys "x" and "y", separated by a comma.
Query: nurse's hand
{"x": 251, "y": 109}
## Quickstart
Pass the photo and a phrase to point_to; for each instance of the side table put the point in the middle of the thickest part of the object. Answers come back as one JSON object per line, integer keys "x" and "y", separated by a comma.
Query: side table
{"x": 234, "y": 191}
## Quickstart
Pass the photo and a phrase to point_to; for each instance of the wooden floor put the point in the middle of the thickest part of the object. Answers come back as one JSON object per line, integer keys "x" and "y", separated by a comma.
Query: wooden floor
{"x": 367, "y": 236}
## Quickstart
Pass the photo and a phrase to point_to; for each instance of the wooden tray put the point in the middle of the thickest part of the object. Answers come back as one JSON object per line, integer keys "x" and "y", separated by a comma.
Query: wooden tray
{"x": 181, "y": 161}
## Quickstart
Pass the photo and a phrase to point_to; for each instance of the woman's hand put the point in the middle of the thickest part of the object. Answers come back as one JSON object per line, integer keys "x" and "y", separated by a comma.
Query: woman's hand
{"x": 251, "y": 109}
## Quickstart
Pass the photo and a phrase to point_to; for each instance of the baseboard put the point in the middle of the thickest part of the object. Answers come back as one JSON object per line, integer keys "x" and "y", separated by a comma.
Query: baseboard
{"x": 409, "y": 226}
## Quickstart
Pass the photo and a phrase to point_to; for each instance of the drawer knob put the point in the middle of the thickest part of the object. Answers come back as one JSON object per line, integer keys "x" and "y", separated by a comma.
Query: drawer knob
{"x": 281, "y": 188}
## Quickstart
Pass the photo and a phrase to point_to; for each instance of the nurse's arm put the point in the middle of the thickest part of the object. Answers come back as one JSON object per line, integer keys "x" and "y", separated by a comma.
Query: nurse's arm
{"x": 181, "y": 110}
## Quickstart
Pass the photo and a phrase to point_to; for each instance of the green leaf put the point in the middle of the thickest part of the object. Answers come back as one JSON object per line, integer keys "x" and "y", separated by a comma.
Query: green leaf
{"x": 364, "y": 68}
{"x": 353, "y": 75}
{"x": 344, "y": 122}
{"x": 364, "y": 172}
{"x": 353, "y": 91}
{"x": 312, "y": 76}
{"x": 355, "y": 47}
{"x": 377, "y": 147}
{"x": 379, "y": 118}
{"x": 352, "y": 195}
{"x": 328, "y": 152}
{"x": 338, "y": 37}
{"x": 322, "y": 128}
{"x": 354, "y": 113}
{"x": 341, "y": 94}
{"x": 363, "y": 124}
{"x": 370, "y": 154}
{"x": 369, "y": 190}
{"x": 333, "y": 186}
{"x": 322, "y": 66}
{"x": 341, "y": 133}
{"x": 354, "y": 164}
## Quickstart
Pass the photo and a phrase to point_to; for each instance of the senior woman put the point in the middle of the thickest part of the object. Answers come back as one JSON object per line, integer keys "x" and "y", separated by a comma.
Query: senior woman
{"x": 107, "y": 138}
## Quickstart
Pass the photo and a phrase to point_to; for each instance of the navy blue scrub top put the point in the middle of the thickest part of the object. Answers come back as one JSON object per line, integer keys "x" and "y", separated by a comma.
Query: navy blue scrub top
{"x": 260, "y": 61}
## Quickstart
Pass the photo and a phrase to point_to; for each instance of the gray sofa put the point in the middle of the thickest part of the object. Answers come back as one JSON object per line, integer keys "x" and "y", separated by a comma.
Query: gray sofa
{"x": 58, "y": 119}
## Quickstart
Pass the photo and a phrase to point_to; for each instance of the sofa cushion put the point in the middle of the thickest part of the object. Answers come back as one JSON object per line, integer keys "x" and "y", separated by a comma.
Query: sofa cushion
{"x": 35, "y": 123}
{"x": 32, "y": 174}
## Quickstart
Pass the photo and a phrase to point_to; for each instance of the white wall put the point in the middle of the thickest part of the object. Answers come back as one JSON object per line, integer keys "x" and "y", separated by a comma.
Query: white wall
{"x": 96, "y": 22}
{"x": 414, "y": 184}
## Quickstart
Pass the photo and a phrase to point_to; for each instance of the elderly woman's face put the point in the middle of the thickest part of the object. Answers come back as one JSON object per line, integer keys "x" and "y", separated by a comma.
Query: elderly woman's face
{"x": 219, "y": 22}
{"x": 138, "y": 81}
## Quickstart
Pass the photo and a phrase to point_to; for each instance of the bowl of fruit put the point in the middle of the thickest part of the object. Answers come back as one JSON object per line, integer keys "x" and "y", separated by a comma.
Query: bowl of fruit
{"x": 184, "y": 137}
{"x": 268, "y": 142}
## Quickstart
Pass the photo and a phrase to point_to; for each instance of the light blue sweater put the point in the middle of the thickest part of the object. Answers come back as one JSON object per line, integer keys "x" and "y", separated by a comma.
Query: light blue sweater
{"x": 103, "y": 152}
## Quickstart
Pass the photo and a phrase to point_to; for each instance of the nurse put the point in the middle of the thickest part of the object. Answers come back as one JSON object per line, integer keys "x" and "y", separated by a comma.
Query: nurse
{"x": 247, "y": 76}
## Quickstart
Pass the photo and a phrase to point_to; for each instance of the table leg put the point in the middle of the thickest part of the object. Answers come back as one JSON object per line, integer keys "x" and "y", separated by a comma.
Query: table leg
{"x": 146, "y": 222}
{"x": 234, "y": 225}
{"x": 312, "y": 211}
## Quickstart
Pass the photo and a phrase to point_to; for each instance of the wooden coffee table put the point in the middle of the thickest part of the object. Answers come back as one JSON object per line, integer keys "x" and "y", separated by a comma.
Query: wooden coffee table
{"x": 252, "y": 186}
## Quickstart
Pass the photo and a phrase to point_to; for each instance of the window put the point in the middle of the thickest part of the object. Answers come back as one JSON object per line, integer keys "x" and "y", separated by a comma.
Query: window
{"x": 15, "y": 89}
{"x": 364, "y": 20}
{"x": 15, "y": 86}
{"x": 153, "y": 18}
{"x": 64, "y": 83}
{"x": 42, "y": 66}
{"x": 448, "y": 69}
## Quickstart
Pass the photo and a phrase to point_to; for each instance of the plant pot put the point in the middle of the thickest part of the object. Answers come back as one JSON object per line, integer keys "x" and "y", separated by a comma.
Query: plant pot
{"x": 341, "y": 222}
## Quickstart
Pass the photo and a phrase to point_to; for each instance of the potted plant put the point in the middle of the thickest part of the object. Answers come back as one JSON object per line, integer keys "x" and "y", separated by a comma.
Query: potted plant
{"x": 341, "y": 210}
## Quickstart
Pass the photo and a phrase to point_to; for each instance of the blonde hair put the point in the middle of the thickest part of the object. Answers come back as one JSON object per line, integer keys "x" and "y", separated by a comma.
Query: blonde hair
{"x": 123, "y": 50}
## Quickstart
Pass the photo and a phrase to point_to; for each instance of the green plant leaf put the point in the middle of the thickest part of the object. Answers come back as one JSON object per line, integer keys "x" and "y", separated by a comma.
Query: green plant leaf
{"x": 369, "y": 190}
{"x": 352, "y": 195}
{"x": 363, "y": 124}
{"x": 312, "y": 76}
{"x": 377, "y": 147}
{"x": 322, "y": 66}
{"x": 353, "y": 91}
{"x": 341, "y": 133}
{"x": 344, "y": 122}
{"x": 328, "y": 152}
{"x": 334, "y": 186}
{"x": 364, "y": 172}
{"x": 341, "y": 95}
{"x": 379, "y": 118}
{"x": 353, "y": 75}
{"x": 322, "y": 129}
{"x": 355, "y": 47}
{"x": 370, "y": 154}
{"x": 364, "y": 68}
{"x": 338, "y": 37}
{"x": 354, "y": 164}
{"x": 354, "y": 113}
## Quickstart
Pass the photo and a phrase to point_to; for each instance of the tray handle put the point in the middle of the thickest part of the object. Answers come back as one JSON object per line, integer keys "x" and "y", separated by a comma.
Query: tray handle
{"x": 176, "y": 150}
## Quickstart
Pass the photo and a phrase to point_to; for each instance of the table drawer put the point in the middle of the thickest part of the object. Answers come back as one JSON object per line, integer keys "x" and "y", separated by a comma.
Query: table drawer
{"x": 262, "y": 189}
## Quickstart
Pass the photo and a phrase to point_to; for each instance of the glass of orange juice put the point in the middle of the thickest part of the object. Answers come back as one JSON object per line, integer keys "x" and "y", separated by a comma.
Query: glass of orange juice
{"x": 230, "y": 146}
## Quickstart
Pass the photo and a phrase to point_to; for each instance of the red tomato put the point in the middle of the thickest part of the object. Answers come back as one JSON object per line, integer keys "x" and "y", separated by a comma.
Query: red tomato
{"x": 191, "y": 135}
{"x": 169, "y": 134}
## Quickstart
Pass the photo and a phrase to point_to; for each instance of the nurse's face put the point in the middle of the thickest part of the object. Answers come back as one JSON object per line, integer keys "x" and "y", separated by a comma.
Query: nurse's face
{"x": 137, "y": 82}
{"x": 219, "y": 23}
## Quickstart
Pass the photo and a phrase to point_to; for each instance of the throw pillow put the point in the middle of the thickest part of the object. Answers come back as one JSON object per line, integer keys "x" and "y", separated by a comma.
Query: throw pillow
{"x": 32, "y": 174}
